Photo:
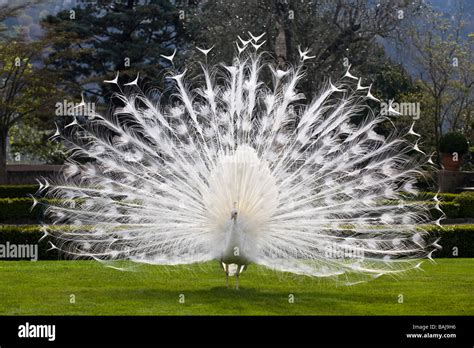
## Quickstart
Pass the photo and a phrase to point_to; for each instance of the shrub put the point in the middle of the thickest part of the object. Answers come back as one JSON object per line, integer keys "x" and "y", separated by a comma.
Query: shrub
{"x": 444, "y": 197}
{"x": 466, "y": 202}
{"x": 454, "y": 142}
{"x": 462, "y": 203}
{"x": 450, "y": 209}
{"x": 460, "y": 237}
{"x": 426, "y": 196}
{"x": 19, "y": 210}
{"x": 455, "y": 236}
{"x": 16, "y": 210}
{"x": 28, "y": 235}
{"x": 17, "y": 191}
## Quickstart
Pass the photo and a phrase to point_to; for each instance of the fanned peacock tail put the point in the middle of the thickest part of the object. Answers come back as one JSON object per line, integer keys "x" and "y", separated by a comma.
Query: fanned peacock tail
{"x": 313, "y": 191}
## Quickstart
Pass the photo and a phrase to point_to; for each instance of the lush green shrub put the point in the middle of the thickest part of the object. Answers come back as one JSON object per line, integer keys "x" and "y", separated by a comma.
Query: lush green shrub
{"x": 453, "y": 236}
{"x": 454, "y": 205}
{"x": 29, "y": 235}
{"x": 466, "y": 202}
{"x": 450, "y": 209}
{"x": 18, "y": 210}
{"x": 462, "y": 204}
{"x": 454, "y": 142}
{"x": 426, "y": 196}
{"x": 444, "y": 197}
{"x": 17, "y": 191}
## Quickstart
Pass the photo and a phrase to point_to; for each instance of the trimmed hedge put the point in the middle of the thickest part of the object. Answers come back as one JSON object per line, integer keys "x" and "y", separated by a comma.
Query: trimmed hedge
{"x": 425, "y": 196}
{"x": 444, "y": 197}
{"x": 17, "y": 191}
{"x": 454, "y": 236}
{"x": 19, "y": 235}
{"x": 466, "y": 203}
{"x": 458, "y": 238}
{"x": 16, "y": 210}
{"x": 19, "y": 208}
{"x": 451, "y": 209}
{"x": 22, "y": 191}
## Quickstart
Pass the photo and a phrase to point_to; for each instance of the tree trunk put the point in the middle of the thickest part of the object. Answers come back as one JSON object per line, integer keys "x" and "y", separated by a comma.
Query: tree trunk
{"x": 280, "y": 45}
{"x": 3, "y": 156}
{"x": 437, "y": 129}
{"x": 283, "y": 38}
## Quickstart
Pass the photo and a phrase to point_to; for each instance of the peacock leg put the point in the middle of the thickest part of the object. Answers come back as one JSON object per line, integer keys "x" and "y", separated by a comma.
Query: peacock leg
{"x": 226, "y": 269}
{"x": 237, "y": 273}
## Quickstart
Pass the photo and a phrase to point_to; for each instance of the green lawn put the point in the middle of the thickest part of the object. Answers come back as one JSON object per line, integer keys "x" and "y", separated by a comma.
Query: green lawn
{"x": 45, "y": 288}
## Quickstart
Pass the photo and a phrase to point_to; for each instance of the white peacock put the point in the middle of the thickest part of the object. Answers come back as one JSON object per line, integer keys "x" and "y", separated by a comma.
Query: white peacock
{"x": 242, "y": 171}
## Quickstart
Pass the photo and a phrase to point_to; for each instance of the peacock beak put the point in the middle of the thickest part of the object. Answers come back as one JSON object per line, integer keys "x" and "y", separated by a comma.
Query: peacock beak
{"x": 233, "y": 215}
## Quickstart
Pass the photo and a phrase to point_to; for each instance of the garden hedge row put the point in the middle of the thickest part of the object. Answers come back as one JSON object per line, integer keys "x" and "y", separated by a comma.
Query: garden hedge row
{"x": 455, "y": 205}
{"x": 444, "y": 197}
{"x": 454, "y": 239}
{"x": 466, "y": 204}
{"x": 18, "y": 210}
{"x": 17, "y": 191}
{"x": 21, "y": 235}
{"x": 450, "y": 209}
{"x": 21, "y": 191}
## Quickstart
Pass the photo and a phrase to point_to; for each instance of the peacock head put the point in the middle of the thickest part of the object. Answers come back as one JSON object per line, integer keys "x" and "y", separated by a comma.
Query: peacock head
{"x": 233, "y": 213}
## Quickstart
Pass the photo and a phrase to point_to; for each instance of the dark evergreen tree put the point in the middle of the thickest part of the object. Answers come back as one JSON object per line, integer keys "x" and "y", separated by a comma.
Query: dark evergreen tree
{"x": 92, "y": 41}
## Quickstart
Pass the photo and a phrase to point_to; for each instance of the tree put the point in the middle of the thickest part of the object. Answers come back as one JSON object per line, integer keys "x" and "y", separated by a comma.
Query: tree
{"x": 25, "y": 89}
{"x": 92, "y": 41}
{"x": 445, "y": 67}
{"x": 338, "y": 33}
{"x": 29, "y": 140}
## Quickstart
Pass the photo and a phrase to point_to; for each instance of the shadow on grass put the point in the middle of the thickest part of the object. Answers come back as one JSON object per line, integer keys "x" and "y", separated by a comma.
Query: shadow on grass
{"x": 228, "y": 298}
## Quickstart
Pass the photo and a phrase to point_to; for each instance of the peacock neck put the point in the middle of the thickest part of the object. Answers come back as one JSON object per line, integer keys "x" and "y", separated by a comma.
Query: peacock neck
{"x": 233, "y": 249}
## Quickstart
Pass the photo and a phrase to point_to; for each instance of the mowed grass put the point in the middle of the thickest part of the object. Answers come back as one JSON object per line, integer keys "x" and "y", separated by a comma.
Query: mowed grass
{"x": 47, "y": 287}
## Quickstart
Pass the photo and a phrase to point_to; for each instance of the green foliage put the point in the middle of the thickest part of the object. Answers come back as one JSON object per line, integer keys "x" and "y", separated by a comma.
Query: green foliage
{"x": 28, "y": 235}
{"x": 450, "y": 209}
{"x": 128, "y": 37}
{"x": 17, "y": 191}
{"x": 392, "y": 81}
{"x": 30, "y": 140}
{"x": 453, "y": 205}
{"x": 444, "y": 60}
{"x": 454, "y": 236}
{"x": 43, "y": 288}
{"x": 330, "y": 30}
{"x": 454, "y": 142}
{"x": 466, "y": 202}
{"x": 15, "y": 206}
{"x": 28, "y": 90}
{"x": 426, "y": 123}
{"x": 429, "y": 196}
{"x": 444, "y": 197}
{"x": 460, "y": 236}
{"x": 18, "y": 210}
